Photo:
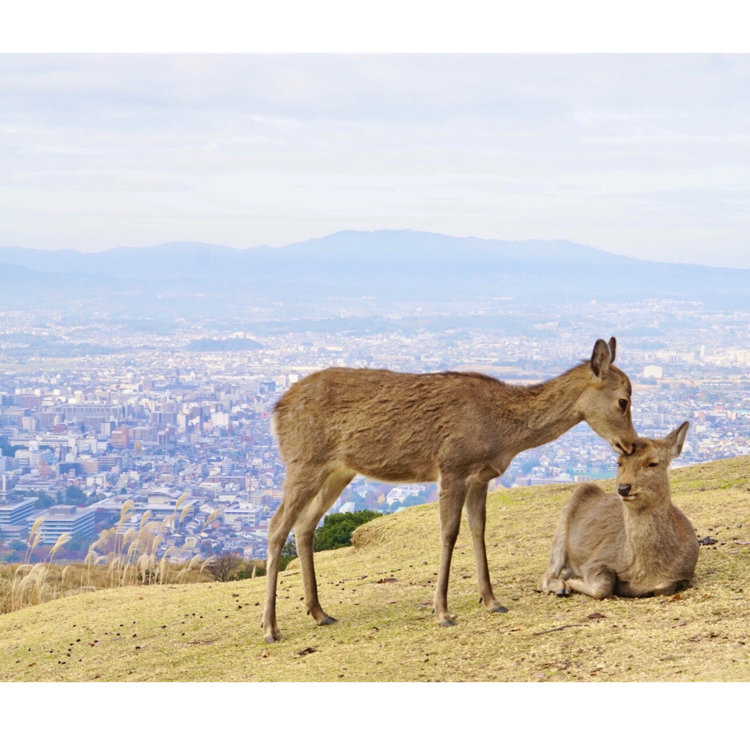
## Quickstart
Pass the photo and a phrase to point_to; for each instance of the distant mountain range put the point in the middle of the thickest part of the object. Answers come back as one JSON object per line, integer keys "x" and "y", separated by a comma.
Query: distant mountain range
{"x": 384, "y": 267}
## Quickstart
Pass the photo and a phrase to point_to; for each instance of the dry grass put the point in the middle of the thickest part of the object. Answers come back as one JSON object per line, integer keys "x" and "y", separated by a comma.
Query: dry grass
{"x": 116, "y": 558}
{"x": 25, "y": 585}
{"x": 381, "y": 591}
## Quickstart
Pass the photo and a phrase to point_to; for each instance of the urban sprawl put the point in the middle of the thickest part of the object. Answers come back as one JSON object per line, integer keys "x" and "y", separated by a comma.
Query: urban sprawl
{"x": 181, "y": 430}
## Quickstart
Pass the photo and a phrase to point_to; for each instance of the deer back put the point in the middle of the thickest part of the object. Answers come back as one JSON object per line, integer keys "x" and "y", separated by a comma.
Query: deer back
{"x": 386, "y": 424}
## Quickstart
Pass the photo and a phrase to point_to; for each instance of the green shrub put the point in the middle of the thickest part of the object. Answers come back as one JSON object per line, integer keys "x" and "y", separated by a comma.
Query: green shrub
{"x": 337, "y": 529}
{"x": 335, "y": 532}
{"x": 288, "y": 553}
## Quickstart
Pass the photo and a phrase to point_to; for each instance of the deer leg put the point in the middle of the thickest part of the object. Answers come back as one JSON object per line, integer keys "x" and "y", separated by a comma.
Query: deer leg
{"x": 624, "y": 588}
{"x": 598, "y": 586}
{"x": 278, "y": 531}
{"x": 304, "y": 533}
{"x": 476, "y": 512}
{"x": 557, "y": 586}
{"x": 555, "y": 580}
{"x": 668, "y": 589}
{"x": 451, "y": 500}
{"x": 297, "y": 494}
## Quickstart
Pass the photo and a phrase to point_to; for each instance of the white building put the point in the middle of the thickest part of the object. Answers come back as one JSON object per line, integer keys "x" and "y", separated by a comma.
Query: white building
{"x": 61, "y": 519}
{"x": 653, "y": 371}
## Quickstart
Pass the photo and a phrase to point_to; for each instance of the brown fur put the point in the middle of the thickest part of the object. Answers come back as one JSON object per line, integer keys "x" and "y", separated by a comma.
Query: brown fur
{"x": 630, "y": 543}
{"x": 461, "y": 429}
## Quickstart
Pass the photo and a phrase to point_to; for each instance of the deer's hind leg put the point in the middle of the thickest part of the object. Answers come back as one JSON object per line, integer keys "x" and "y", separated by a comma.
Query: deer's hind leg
{"x": 304, "y": 532}
{"x": 451, "y": 501}
{"x": 300, "y": 489}
{"x": 597, "y": 583}
{"x": 476, "y": 513}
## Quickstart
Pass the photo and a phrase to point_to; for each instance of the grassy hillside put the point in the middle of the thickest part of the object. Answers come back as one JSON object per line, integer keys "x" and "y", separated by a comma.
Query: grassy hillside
{"x": 381, "y": 591}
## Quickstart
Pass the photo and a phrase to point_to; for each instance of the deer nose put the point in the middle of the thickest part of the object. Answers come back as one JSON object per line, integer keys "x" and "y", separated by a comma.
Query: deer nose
{"x": 623, "y": 489}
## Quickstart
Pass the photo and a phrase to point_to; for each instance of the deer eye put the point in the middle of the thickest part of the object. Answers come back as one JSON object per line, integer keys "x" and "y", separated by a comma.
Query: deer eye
{"x": 652, "y": 464}
{"x": 623, "y": 403}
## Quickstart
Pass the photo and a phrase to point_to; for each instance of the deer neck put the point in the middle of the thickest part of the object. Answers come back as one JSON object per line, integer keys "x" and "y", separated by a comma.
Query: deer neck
{"x": 650, "y": 533}
{"x": 547, "y": 410}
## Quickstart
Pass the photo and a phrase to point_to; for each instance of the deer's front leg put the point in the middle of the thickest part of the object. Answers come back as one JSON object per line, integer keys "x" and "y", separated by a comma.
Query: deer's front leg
{"x": 476, "y": 512}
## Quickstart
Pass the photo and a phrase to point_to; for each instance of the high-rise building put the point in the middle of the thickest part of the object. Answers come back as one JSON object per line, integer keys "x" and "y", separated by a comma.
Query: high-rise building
{"x": 61, "y": 519}
{"x": 119, "y": 438}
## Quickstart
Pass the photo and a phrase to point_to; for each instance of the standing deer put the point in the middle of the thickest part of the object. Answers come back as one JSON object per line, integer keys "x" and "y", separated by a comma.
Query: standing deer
{"x": 460, "y": 429}
{"x": 630, "y": 543}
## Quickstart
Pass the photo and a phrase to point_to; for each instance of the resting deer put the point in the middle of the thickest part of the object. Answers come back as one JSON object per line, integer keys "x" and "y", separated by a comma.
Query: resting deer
{"x": 630, "y": 543}
{"x": 460, "y": 429}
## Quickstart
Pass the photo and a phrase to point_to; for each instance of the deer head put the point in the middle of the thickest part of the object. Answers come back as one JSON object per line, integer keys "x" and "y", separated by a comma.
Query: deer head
{"x": 642, "y": 477}
{"x": 605, "y": 401}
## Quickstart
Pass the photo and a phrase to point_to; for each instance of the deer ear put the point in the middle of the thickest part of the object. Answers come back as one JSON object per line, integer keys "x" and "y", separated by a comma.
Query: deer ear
{"x": 612, "y": 349}
{"x": 676, "y": 439}
{"x": 601, "y": 358}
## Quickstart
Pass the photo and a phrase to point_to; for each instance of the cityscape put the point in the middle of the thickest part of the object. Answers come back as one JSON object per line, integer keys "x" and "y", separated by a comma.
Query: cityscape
{"x": 105, "y": 422}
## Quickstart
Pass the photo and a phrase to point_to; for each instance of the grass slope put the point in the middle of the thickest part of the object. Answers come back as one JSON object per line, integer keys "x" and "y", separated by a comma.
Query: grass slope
{"x": 381, "y": 590}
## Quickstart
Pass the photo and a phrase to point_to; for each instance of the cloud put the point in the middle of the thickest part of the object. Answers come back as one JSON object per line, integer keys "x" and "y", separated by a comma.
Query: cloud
{"x": 507, "y": 146}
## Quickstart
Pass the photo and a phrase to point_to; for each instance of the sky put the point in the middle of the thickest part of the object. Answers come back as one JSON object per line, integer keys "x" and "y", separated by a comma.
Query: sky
{"x": 646, "y": 155}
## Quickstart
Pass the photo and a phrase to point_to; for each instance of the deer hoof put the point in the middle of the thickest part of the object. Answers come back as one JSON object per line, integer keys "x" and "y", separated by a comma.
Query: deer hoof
{"x": 448, "y": 622}
{"x": 272, "y": 638}
{"x": 498, "y": 608}
{"x": 327, "y": 620}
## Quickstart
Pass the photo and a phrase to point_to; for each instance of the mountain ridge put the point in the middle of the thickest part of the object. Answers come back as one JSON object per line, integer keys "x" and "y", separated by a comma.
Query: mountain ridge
{"x": 20, "y": 255}
{"x": 388, "y": 266}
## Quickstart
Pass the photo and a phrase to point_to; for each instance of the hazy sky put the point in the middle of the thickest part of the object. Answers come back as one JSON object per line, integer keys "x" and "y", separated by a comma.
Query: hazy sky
{"x": 644, "y": 155}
